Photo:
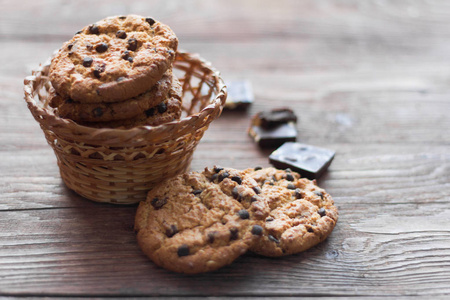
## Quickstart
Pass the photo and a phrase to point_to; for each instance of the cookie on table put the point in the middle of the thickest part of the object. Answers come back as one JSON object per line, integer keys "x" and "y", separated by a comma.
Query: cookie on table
{"x": 104, "y": 112}
{"x": 294, "y": 212}
{"x": 168, "y": 110}
{"x": 189, "y": 225}
{"x": 114, "y": 59}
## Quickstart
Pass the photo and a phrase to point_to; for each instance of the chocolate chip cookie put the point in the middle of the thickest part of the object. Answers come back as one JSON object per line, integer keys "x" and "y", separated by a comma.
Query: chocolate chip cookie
{"x": 294, "y": 212}
{"x": 104, "y": 112}
{"x": 284, "y": 213}
{"x": 114, "y": 59}
{"x": 189, "y": 225}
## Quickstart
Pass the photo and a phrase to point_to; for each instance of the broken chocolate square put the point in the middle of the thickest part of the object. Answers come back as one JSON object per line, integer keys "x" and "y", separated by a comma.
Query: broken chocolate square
{"x": 309, "y": 161}
{"x": 240, "y": 95}
{"x": 276, "y": 117}
{"x": 273, "y": 128}
{"x": 274, "y": 137}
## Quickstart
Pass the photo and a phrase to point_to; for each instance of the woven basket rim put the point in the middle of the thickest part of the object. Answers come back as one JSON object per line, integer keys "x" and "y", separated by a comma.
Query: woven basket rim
{"x": 113, "y": 136}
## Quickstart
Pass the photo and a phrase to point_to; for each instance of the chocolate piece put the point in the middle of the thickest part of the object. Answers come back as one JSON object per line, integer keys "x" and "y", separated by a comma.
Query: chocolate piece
{"x": 157, "y": 203}
{"x": 93, "y": 29}
{"x": 276, "y": 117}
{"x": 183, "y": 250}
{"x": 243, "y": 214}
{"x": 121, "y": 34}
{"x": 240, "y": 95}
{"x": 309, "y": 161}
{"x": 102, "y": 47}
{"x": 150, "y": 112}
{"x": 97, "y": 112}
{"x": 257, "y": 230}
{"x": 150, "y": 21}
{"x": 87, "y": 61}
{"x": 171, "y": 231}
{"x": 197, "y": 192}
{"x": 234, "y": 234}
{"x": 274, "y": 137}
{"x": 237, "y": 179}
{"x": 162, "y": 107}
{"x": 132, "y": 44}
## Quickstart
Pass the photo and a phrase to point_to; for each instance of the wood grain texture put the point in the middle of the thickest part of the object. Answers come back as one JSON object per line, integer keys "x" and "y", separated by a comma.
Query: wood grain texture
{"x": 369, "y": 79}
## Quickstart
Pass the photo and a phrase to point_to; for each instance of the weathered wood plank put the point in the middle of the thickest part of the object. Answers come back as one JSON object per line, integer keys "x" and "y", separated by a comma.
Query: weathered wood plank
{"x": 382, "y": 249}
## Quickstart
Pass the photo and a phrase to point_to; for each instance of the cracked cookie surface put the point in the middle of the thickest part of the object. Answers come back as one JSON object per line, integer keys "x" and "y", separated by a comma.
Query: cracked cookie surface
{"x": 114, "y": 59}
{"x": 189, "y": 225}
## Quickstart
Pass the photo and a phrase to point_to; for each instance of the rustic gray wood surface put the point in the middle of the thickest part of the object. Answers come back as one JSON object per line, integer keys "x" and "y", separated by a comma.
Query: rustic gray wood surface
{"x": 369, "y": 79}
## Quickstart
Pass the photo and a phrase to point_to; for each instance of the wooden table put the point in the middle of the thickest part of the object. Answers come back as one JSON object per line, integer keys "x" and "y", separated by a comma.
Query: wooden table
{"x": 369, "y": 79}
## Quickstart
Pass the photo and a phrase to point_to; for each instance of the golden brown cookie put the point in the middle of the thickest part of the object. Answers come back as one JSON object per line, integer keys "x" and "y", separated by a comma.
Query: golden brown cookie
{"x": 114, "y": 59}
{"x": 168, "y": 110}
{"x": 189, "y": 225}
{"x": 105, "y": 112}
{"x": 295, "y": 213}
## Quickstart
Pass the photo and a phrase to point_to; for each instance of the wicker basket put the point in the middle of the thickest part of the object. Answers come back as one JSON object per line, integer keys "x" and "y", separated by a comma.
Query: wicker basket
{"x": 121, "y": 165}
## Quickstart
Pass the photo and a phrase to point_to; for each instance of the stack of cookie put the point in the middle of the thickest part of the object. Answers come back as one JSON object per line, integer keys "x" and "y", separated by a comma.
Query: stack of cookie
{"x": 199, "y": 222}
{"x": 117, "y": 73}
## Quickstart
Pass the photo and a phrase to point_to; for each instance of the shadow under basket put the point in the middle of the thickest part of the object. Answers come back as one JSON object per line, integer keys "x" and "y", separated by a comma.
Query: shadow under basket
{"x": 121, "y": 165}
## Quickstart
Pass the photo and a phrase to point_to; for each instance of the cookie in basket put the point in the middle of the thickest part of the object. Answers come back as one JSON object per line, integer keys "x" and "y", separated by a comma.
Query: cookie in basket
{"x": 168, "y": 110}
{"x": 189, "y": 225}
{"x": 104, "y": 112}
{"x": 294, "y": 212}
{"x": 114, "y": 59}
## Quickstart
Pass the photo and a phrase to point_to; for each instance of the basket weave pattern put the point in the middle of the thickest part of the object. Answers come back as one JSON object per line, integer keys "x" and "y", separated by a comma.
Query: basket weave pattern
{"x": 121, "y": 165}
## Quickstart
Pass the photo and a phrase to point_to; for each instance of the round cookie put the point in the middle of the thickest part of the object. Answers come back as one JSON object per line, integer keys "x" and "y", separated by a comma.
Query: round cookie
{"x": 188, "y": 225}
{"x": 104, "y": 112}
{"x": 166, "y": 111}
{"x": 114, "y": 59}
{"x": 295, "y": 213}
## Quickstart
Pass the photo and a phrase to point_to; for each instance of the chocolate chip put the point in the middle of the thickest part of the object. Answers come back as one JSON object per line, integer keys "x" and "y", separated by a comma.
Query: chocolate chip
{"x": 214, "y": 177}
{"x": 150, "y": 21}
{"x": 319, "y": 193}
{"x": 183, "y": 250}
{"x": 243, "y": 214}
{"x": 89, "y": 47}
{"x": 211, "y": 236}
{"x": 235, "y": 193}
{"x": 97, "y": 112}
{"x": 257, "y": 168}
{"x": 257, "y": 230}
{"x": 70, "y": 46}
{"x": 269, "y": 219}
{"x": 254, "y": 198}
{"x": 69, "y": 100}
{"x": 93, "y": 29}
{"x": 234, "y": 233}
{"x": 121, "y": 34}
{"x": 217, "y": 169}
{"x": 322, "y": 212}
{"x": 273, "y": 239}
{"x": 197, "y": 192}
{"x": 237, "y": 179}
{"x": 78, "y": 32}
{"x": 157, "y": 203}
{"x": 290, "y": 177}
{"x": 291, "y": 186}
{"x": 257, "y": 190}
{"x": 132, "y": 44}
{"x": 223, "y": 176}
{"x": 102, "y": 47}
{"x": 171, "y": 231}
{"x": 87, "y": 61}
{"x": 298, "y": 193}
{"x": 310, "y": 229}
{"x": 130, "y": 59}
{"x": 162, "y": 107}
{"x": 150, "y": 112}
{"x": 122, "y": 17}
{"x": 98, "y": 70}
